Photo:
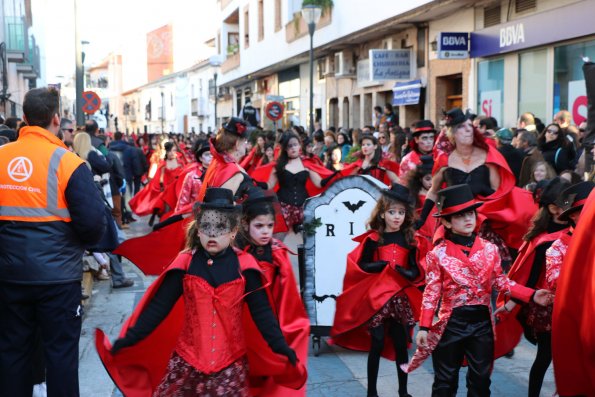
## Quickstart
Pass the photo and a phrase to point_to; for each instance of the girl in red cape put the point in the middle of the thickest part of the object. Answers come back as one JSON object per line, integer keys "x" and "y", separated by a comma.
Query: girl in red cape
{"x": 462, "y": 271}
{"x": 294, "y": 178}
{"x": 529, "y": 270}
{"x": 256, "y": 154}
{"x": 228, "y": 147}
{"x": 256, "y": 237}
{"x": 506, "y": 213}
{"x": 379, "y": 295}
{"x": 187, "y": 336}
{"x": 571, "y": 274}
{"x": 371, "y": 163}
{"x": 150, "y": 199}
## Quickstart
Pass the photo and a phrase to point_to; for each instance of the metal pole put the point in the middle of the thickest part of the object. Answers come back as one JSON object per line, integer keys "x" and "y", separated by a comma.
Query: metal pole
{"x": 162, "y": 112}
{"x": 79, "y": 74}
{"x": 216, "y": 98}
{"x": 311, "y": 28}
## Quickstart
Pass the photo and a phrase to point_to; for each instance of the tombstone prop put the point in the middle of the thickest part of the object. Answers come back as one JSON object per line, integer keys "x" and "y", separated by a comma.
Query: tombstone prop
{"x": 331, "y": 221}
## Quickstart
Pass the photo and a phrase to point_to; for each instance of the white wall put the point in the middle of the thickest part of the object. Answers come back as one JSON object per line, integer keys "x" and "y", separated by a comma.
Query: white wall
{"x": 346, "y": 19}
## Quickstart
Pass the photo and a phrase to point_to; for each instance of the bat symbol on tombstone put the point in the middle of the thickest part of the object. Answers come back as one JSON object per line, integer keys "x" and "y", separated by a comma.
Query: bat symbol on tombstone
{"x": 354, "y": 207}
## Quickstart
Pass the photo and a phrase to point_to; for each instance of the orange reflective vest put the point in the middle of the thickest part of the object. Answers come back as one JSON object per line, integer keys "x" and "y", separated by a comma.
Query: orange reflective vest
{"x": 34, "y": 174}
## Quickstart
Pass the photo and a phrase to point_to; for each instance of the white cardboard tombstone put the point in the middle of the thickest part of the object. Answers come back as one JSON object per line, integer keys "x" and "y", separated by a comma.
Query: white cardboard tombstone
{"x": 344, "y": 208}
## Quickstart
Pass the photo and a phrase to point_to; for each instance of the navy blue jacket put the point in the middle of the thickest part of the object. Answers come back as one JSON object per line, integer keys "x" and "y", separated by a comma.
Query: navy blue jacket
{"x": 127, "y": 156}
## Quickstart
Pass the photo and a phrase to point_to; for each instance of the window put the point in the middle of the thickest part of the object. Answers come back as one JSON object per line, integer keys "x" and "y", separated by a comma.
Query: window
{"x": 260, "y": 20}
{"x": 491, "y": 16}
{"x": 569, "y": 82}
{"x": 490, "y": 88}
{"x": 524, "y": 5}
{"x": 246, "y": 29}
{"x": 421, "y": 47}
{"x": 278, "y": 21}
{"x": 532, "y": 91}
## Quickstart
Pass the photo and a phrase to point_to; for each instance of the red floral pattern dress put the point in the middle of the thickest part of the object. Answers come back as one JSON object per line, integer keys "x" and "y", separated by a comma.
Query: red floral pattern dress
{"x": 554, "y": 256}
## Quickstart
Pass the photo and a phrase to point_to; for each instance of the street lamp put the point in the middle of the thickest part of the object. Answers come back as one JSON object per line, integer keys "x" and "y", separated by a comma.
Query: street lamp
{"x": 311, "y": 15}
{"x": 215, "y": 62}
{"x": 162, "y": 110}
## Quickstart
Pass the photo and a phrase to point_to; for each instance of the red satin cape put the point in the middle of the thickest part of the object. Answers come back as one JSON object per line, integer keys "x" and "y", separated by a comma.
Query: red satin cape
{"x": 573, "y": 335}
{"x": 220, "y": 171}
{"x": 508, "y": 328}
{"x": 363, "y": 295}
{"x": 139, "y": 369}
{"x": 294, "y": 322}
{"x": 509, "y": 209}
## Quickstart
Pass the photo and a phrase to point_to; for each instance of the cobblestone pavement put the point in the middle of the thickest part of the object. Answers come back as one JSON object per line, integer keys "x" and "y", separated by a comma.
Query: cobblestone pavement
{"x": 335, "y": 372}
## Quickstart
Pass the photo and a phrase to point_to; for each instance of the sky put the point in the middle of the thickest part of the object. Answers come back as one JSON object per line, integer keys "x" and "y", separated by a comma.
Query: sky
{"x": 120, "y": 26}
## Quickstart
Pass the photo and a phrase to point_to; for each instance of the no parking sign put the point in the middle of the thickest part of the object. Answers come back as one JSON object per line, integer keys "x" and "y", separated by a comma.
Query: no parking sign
{"x": 274, "y": 111}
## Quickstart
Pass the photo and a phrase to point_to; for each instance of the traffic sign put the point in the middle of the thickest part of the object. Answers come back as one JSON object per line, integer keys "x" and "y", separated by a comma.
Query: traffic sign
{"x": 91, "y": 102}
{"x": 274, "y": 111}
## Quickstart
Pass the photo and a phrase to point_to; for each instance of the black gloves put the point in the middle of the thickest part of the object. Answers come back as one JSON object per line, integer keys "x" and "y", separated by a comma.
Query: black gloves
{"x": 410, "y": 274}
{"x": 289, "y": 353}
{"x": 428, "y": 205}
{"x": 326, "y": 180}
{"x": 262, "y": 185}
{"x": 373, "y": 267}
{"x": 168, "y": 221}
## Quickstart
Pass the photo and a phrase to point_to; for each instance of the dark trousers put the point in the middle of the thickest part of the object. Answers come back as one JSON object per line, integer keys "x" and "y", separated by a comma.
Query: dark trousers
{"x": 468, "y": 335}
{"x": 56, "y": 311}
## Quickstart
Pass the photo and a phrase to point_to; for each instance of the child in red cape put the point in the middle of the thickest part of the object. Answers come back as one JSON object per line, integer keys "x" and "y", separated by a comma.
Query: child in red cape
{"x": 379, "y": 295}
{"x": 462, "y": 270}
{"x": 187, "y": 334}
{"x": 256, "y": 237}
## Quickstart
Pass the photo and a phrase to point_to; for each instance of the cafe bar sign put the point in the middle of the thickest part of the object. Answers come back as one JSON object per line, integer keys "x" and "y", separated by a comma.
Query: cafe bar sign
{"x": 390, "y": 65}
{"x": 535, "y": 30}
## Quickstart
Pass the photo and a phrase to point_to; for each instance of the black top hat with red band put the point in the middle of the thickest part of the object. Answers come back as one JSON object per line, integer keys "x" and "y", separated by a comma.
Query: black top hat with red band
{"x": 218, "y": 198}
{"x": 427, "y": 164}
{"x": 236, "y": 126}
{"x": 573, "y": 198}
{"x": 454, "y": 200}
{"x": 423, "y": 127}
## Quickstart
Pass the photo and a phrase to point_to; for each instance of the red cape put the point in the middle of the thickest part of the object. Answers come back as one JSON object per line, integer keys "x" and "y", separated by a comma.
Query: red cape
{"x": 263, "y": 173}
{"x": 171, "y": 194}
{"x": 353, "y": 168}
{"x": 139, "y": 369}
{"x": 155, "y": 251}
{"x": 363, "y": 295}
{"x": 221, "y": 169}
{"x": 508, "y": 329}
{"x": 288, "y": 307}
{"x": 509, "y": 209}
{"x": 151, "y": 197}
{"x": 573, "y": 338}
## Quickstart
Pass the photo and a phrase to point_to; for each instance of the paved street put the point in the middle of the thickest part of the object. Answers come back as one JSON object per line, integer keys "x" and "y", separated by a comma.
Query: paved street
{"x": 335, "y": 372}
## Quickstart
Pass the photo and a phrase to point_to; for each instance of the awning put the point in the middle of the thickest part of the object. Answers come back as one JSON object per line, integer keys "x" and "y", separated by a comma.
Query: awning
{"x": 406, "y": 93}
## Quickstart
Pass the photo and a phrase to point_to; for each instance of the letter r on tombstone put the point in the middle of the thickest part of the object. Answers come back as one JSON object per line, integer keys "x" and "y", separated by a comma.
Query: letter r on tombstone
{"x": 330, "y": 230}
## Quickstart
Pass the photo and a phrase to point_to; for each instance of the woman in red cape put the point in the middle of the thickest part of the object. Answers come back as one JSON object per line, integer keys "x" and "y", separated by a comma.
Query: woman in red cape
{"x": 272, "y": 255}
{"x": 507, "y": 209}
{"x": 150, "y": 199}
{"x": 371, "y": 163}
{"x": 573, "y": 339}
{"x": 293, "y": 178}
{"x": 379, "y": 289}
{"x": 254, "y": 157}
{"x": 529, "y": 270}
{"x": 212, "y": 292}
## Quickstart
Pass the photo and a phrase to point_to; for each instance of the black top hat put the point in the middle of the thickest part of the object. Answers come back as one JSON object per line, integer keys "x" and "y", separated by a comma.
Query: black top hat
{"x": 398, "y": 192}
{"x": 199, "y": 148}
{"x": 423, "y": 127}
{"x": 427, "y": 163}
{"x": 573, "y": 198}
{"x": 548, "y": 191}
{"x": 236, "y": 126}
{"x": 217, "y": 198}
{"x": 455, "y": 116}
{"x": 258, "y": 196}
{"x": 455, "y": 199}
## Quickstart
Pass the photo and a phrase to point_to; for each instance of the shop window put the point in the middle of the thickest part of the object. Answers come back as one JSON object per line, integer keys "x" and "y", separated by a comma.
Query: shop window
{"x": 532, "y": 91}
{"x": 490, "y": 88}
{"x": 569, "y": 82}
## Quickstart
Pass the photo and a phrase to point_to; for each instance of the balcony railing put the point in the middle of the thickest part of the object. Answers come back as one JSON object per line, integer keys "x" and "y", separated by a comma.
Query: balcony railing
{"x": 232, "y": 62}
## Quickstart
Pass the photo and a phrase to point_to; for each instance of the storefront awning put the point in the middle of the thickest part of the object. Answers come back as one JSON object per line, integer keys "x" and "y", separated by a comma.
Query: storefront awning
{"x": 406, "y": 93}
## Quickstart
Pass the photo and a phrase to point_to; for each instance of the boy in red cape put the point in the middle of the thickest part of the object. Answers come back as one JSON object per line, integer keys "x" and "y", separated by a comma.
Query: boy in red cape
{"x": 196, "y": 345}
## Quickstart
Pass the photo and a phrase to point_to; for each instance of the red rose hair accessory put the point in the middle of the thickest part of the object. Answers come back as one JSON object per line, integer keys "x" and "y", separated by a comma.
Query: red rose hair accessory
{"x": 240, "y": 128}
